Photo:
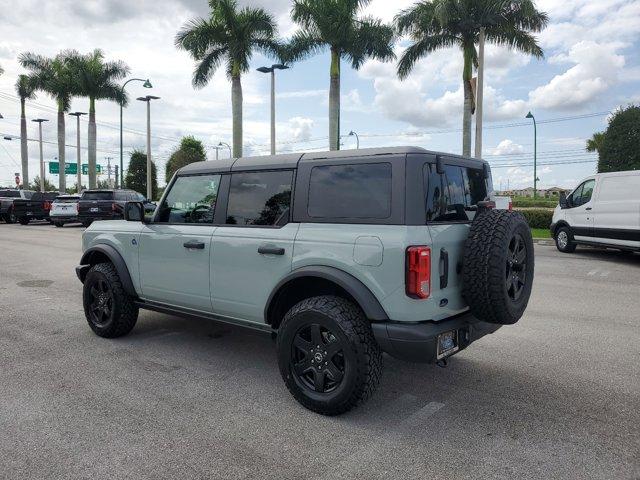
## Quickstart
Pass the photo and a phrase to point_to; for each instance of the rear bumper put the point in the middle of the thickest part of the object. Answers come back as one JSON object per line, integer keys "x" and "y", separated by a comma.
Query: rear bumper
{"x": 417, "y": 342}
{"x": 64, "y": 218}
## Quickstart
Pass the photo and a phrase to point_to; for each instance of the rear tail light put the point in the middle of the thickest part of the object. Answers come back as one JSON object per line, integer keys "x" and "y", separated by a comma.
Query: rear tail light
{"x": 47, "y": 205}
{"x": 418, "y": 272}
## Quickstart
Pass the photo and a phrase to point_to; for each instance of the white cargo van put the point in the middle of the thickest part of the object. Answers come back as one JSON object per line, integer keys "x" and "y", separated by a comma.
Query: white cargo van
{"x": 603, "y": 210}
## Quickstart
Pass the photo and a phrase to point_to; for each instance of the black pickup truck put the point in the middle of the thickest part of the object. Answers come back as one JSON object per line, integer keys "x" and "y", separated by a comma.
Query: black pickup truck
{"x": 7, "y": 198}
{"x": 35, "y": 208}
{"x": 107, "y": 204}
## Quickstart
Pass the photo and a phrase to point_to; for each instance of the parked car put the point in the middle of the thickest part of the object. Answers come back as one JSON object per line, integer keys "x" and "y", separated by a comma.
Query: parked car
{"x": 108, "y": 204}
{"x": 7, "y": 197}
{"x": 341, "y": 255}
{"x": 35, "y": 208}
{"x": 64, "y": 209}
{"x": 603, "y": 210}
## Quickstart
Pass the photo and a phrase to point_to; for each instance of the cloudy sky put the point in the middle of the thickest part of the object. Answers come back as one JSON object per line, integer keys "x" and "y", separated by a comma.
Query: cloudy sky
{"x": 591, "y": 66}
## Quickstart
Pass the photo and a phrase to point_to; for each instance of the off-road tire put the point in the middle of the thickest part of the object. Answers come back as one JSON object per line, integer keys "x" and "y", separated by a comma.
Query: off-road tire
{"x": 488, "y": 266}
{"x": 570, "y": 245}
{"x": 362, "y": 355}
{"x": 124, "y": 313}
{"x": 23, "y": 221}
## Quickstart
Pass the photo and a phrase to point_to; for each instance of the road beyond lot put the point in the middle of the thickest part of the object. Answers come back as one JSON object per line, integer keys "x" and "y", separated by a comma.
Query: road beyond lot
{"x": 555, "y": 396}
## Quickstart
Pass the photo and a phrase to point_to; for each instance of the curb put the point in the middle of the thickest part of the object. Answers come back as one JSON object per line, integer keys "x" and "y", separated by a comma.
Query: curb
{"x": 543, "y": 241}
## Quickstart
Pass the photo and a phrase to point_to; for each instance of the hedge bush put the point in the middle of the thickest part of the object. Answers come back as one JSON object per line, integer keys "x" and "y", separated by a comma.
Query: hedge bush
{"x": 537, "y": 217}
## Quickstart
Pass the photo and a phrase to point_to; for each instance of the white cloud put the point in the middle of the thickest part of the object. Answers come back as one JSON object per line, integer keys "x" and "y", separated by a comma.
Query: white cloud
{"x": 507, "y": 147}
{"x": 300, "y": 128}
{"x": 596, "y": 68}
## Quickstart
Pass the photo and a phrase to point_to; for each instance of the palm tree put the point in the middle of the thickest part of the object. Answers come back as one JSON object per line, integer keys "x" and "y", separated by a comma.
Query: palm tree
{"x": 55, "y": 77}
{"x": 594, "y": 144}
{"x": 97, "y": 80}
{"x": 229, "y": 35}
{"x": 25, "y": 89}
{"x": 435, "y": 24}
{"x": 334, "y": 24}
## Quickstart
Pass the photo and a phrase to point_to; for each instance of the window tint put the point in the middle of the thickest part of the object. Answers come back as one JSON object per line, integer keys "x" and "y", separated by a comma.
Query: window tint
{"x": 87, "y": 195}
{"x": 259, "y": 198}
{"x": 454, "y": 195}
{"x": 190, "y": 200}
{"x": 350, "y": 191}
{"x": 121, "y": 195}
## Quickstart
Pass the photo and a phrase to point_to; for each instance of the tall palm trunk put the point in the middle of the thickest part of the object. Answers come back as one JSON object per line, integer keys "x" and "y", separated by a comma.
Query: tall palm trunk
{"x": 334, "y": 101}
{"x": 236, "y": 112}
{"x": 61, "y": 146}
{"x": 91, "y": 143}
{"x": 24, "y": 151}
{"x": 468, "y": 100}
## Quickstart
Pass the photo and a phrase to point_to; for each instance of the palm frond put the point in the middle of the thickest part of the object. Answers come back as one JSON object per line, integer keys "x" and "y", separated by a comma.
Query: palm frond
{"x": 302, "y": 45}
{"x": 25, "y": 87}
{"x": 422, "y": 48}
{"x": 371, "y": 39}
{"x": 207, "y": 67}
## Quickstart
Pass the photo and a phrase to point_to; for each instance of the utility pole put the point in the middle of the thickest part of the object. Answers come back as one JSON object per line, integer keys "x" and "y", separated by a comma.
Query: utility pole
{"x": 479, "y": 89}
{"x": 146, "y": 84}
{"x": 109, "y": 170}
{"x": 116, "y": 176}
{"x": 148, "y": 99}
{"x": 39, "y": 122}
{"x": 79, "y": 173}
{"x": 272, "y": 69}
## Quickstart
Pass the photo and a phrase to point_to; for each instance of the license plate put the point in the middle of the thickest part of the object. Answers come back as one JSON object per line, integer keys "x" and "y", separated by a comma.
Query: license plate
{"x": 447, "y": 344}
{"x": 94, "y": 209}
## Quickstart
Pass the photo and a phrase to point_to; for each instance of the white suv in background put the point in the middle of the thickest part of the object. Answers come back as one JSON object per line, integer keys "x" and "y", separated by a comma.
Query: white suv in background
{"x": 64, "y": 209}
{"x": 603, "y": 210}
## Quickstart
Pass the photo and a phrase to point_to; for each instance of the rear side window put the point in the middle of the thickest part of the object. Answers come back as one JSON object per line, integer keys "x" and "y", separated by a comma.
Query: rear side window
{"x": 97, "y": 196}
{"x": 350, "y": 191}
{"x": 259, "y": 198}
{"x": 454, "y": 195}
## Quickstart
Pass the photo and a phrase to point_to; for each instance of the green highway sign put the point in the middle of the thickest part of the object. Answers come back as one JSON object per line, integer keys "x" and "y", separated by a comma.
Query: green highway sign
{"x": 71, "y": 168}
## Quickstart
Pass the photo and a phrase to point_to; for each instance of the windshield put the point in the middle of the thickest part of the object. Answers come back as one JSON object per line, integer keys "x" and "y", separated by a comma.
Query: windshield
{"x": 97, "y": 196}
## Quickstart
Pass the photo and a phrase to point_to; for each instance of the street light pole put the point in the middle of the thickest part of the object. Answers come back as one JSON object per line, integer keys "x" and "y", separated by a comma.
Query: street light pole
{"x": 535, "y": 155}
{"x": 148, "y": 99}
{"x": 79, "y": 172}
{"x": 222, "y": 144}
{"x": 147, "y": 84}
{"x": 39, "y": 122}
{"x": 351, "y": 134}
{"x": 272, "y": 69}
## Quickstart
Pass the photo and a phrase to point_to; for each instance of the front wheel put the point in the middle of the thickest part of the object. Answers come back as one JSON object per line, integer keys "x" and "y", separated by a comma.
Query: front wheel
{"x": 564, "y": 240}
{"x": 110, "y": 312}
{"x": 10, "y": 217}
{"x": 328, "y": 357}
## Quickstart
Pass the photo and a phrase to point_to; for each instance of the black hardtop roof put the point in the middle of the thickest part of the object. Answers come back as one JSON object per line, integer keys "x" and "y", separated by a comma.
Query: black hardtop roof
{"x": 291, "y": 160}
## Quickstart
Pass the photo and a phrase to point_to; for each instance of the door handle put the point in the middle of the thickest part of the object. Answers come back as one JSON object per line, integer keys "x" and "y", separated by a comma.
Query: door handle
{"x": 588, "y": 208}
{"x": 444, "y": 268}
{"x": 270, "y": 250}
{"x": 194, "y": 245}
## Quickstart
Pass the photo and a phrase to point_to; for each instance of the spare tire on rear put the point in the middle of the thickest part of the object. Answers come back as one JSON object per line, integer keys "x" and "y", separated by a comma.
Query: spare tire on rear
{"x": 497, "y": 271}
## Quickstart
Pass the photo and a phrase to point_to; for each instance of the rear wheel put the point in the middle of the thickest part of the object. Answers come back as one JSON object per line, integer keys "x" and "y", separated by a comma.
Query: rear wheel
{"x": 110, "y": 312}
{"x": 10, "y": 217}
{"x": 23, "y": 221}
{"x": 58, "y": 224}
{"x": 564, "y": 240}
{"x": 327, "y": 355}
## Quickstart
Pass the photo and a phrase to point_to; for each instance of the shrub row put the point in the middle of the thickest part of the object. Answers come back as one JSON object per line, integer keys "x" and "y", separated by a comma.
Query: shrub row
{"x": 537, "y": 217}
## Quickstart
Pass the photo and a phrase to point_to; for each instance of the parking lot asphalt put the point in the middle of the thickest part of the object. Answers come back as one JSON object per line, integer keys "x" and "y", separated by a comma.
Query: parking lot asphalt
{"x": 555, "y": 396}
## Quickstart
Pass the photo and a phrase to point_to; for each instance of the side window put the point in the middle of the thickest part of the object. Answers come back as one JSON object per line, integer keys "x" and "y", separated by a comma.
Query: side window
{"x": 587, "y": 191}
{"x": 350, "y": 191}
{"x": 259, "y": 198}
{"x": 191, "y": 199}
{"x": 454, "y": 195}
{"x": 121, "y": 195}
{"x": 433, "y": 190}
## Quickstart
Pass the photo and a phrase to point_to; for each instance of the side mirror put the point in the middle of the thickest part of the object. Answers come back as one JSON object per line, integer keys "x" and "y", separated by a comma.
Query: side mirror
{"x": 134, "y": 212}
{"x": 439, "y": 166}
{"x": 564, "y": 203}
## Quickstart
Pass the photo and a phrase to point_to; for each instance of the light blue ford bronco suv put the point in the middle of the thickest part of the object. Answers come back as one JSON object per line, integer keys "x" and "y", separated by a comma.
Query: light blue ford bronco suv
{"x": 341, "y": 255}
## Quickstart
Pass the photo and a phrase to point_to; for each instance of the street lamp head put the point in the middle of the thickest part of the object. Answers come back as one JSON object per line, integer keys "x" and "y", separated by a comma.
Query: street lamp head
{"x": 265, "y": 69}
{"x": 529, "y": 115}
{"x": 352, "y": 133}
{"x": 77, "y": 114}
{"x": 1, "y": 116}
{"x": 147, "y": 84}
{"x": 279, "y": 66}
{"x": 39, "y": 120}
{"x": 7, "y": 137}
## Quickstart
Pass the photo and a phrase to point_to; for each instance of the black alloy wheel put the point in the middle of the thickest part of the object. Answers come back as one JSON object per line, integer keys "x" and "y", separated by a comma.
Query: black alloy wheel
{"x": 516, "y": 271}
{"x": 101, "y": 303}
{"x": 318, "y": 360}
